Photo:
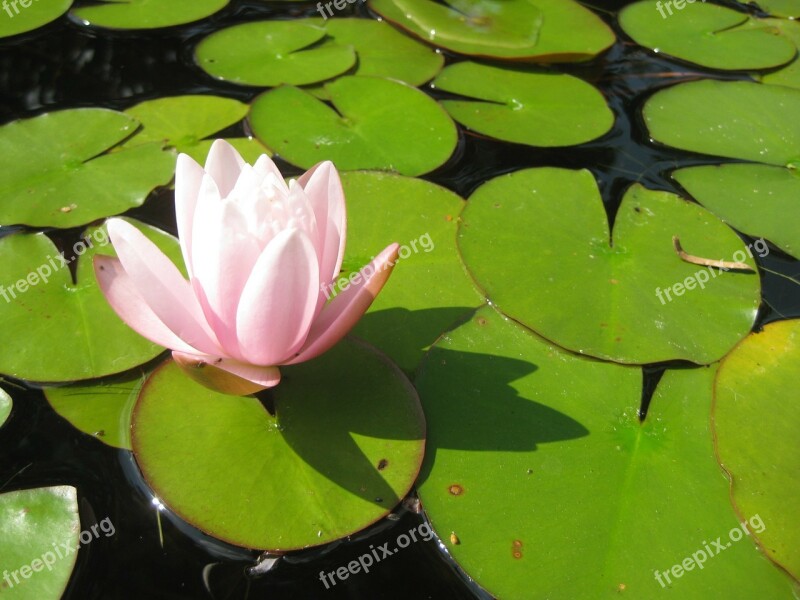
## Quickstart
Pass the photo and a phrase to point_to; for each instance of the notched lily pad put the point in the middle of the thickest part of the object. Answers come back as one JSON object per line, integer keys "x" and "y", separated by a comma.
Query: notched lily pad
{"x": 146, "y": 14}
{"x": 58, "y": 172}
{"x": 706, "y": 34}
{"x": 755, "y": 425}
{"x": 37, "y": 542}
{"x": 542, "y": 30}
{"x": 345, "y": 445}
{"x": 538, "y": 109}
{"x": 374, "y": 123}
{"x": 57, "y": 330}
{"x": 272, "y": 53}
{"x": 627, "y": 297}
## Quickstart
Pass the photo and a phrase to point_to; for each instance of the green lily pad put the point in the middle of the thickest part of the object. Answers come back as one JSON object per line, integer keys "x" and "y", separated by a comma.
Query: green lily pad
{"x": 780, "y": 8}
{"x": 271, "y": 53}
{"x": 706, "y": 34}
{"x": 544, "y": 30}
{"x": 383, "y": 51}
{"x": 542, "y": 482}
{"x": 755, "y": 199}
{"x": 375, "y": 124}
{"x": 27, "y": 15}
{"x": 755, "y": 424}
{"x": 102, "y": 410}
{"x": 183, "y": 122}
{"x": 37, "y": 542}
{"x": 790, "y": 74}
{"x": 57, "y": 330}
{"x": 538, "y": 109}
{"x": 5, "y": 406}
{"x": 343, "y": 448}
{"x": 146, "y": 14}
{"x": 429, "y": 290}
{"x": 616, "y": 297}
{"x": 737, "y": 119}
{"x": 58, "y": 175}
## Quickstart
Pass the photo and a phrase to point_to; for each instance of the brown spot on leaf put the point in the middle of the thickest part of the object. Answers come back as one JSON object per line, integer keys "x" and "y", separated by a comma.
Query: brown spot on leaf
{"x": 516, "y": 549}
{"x": 455, "y": 489}
{"x": 382, "y": 464}
{"x": 481, "y": 321}
{"x": 454, "y": 538}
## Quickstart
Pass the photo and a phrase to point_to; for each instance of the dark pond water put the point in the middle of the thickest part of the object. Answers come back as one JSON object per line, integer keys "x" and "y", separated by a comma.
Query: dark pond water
{"x": 65, "y": 66}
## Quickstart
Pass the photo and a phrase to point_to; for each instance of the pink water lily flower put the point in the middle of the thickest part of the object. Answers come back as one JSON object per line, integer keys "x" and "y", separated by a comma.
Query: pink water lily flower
{"x": 261, "y": 256}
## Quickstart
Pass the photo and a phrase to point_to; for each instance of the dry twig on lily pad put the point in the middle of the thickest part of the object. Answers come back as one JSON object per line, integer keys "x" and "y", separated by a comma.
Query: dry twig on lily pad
{"x": 707, "y": 262}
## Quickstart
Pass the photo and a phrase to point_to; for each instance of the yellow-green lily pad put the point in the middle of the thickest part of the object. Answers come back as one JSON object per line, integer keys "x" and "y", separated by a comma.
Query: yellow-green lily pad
{"x": 755, "y": 422}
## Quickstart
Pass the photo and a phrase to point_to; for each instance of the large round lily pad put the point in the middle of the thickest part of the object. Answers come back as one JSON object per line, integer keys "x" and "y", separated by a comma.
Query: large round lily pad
{"x": 38, "y": 542}
{"x": 16, "y": 17}
{"x": 756, "y": 419}
{"x": 57, "y": 330}
{"x": 429, "y": 290}
{"x": 737, "y": 119}
{"x": 271, "y": 53}
{"x": 184, "y": 123}
{"x": 374, "y": 123}
{"x": 538, "y": 109}
{"x": 343, "y": 448}
{"x": 706, "y": 34}
{"x": 58, "y": 174}
{"x": 755, "y": 199}
{"x": 542, "y": 482}
{"x": 544, "y": 30}
{"x": 100, "y": 409}
{"x": 5, "y": 406}
{"x": 627, "y": 297}
{"x": 146, "y": 14}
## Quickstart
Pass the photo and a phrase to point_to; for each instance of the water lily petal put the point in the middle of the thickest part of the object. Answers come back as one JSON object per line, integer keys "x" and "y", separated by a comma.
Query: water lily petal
{"x": 227, "y": 376}
{"x": 188, "y": 179}
{"x": 224, "y": 164}
{"x": 267, "y": 169}
{"x": 161, "y": 285}
{"x": 277, "y": 305}
{"x": 343, "y": 312}
{"x": 223, "y": 263}
{"x": 323, "y": 187}
{"x": 121, "y": 293}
